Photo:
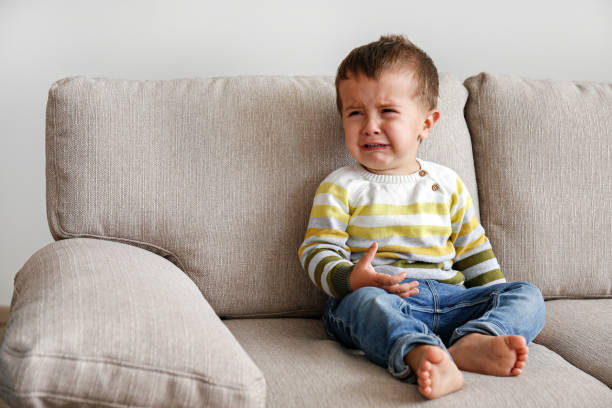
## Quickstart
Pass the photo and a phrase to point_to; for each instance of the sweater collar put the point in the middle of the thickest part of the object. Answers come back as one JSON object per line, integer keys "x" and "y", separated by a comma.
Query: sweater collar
{"x": 392, "y": 179}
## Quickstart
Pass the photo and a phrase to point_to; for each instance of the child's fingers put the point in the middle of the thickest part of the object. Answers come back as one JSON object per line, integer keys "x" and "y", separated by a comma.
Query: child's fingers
{"x": 383, "y": 280}
{"x": 403, "y": 290}
{"x": 408, "y": 293}
{"x": 366, "y": 259}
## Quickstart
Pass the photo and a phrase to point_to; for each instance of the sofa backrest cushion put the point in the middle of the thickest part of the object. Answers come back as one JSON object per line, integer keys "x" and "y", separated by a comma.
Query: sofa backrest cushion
{"x": 218, "y": 175}
{"x": 544, "y": 167}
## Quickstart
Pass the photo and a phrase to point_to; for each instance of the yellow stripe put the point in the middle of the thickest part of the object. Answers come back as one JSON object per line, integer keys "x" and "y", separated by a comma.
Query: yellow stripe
{"x": 324, "y": 211}
{"x": 387, "y": 255}
{"x": 460, "y": 186}
{"x": 458, "y": 216}
{"x": 466, "y": 229}
{"x": 409, "y": 231}
{"x": 455, "y": 199}
{"x": 472, "y": 245}
{"x": 392, "y": 209}
{"x": 335, "y": 190}
{"x": 469, "y": 227}
{"x": 389, "y": 251}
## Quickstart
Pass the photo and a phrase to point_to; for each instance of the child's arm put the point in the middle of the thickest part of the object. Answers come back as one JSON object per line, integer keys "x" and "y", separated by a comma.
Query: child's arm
{"x": 474, "y": 255}
{"x": 325, "y": 256}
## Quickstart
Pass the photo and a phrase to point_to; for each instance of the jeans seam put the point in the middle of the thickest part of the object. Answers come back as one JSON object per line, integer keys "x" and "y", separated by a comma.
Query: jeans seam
{"x": 464, "y": 304}
{"x": 436, "y": 307}
{"x": 494, "y": 305}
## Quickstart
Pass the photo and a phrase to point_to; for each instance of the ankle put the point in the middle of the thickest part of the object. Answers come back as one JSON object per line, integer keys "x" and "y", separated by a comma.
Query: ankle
{"x": 414, "y": 356}
{"x": 468, "y": 339}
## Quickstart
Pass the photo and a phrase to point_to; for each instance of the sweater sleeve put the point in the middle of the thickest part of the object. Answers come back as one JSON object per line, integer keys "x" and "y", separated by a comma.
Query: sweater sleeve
{"x": 324, "y": 254}
{"x": 474, "y": 255}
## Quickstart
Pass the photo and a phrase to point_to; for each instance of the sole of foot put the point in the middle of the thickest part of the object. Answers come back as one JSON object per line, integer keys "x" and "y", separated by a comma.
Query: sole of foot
{"x": 492, "y": 355}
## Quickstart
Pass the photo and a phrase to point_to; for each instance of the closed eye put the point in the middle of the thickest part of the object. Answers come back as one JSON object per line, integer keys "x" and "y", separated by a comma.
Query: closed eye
{"x": 353, "y": 113}
{"x": 389, "y": 111}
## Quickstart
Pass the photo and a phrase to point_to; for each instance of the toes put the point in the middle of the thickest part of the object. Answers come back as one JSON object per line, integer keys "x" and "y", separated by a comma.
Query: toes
{"x": 424, "y": 382}
{"x": 426, "y": 391}
{"x": 423, "y": 374}
{"x": 516, "y": 371}
{"x": 516, "y": 342}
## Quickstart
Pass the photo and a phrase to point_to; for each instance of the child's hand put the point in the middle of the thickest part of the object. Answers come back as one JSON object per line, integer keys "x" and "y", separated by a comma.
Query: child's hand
{"x": 364, "y": 275}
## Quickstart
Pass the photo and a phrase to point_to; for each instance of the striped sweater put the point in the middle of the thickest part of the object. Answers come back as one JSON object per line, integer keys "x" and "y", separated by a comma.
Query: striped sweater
{"x": 424, "y": 223}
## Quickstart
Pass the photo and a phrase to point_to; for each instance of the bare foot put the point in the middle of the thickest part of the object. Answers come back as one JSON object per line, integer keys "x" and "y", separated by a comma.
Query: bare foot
{"x": 436, "y": 372}
{"x": 493, "y": 355}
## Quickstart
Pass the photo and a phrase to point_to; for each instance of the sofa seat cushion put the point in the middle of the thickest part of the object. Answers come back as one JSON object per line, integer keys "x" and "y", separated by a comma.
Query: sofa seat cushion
{"x": 580, "y": 331}
{"x": 96, "y": 323}
{"x": 304, "y": 369}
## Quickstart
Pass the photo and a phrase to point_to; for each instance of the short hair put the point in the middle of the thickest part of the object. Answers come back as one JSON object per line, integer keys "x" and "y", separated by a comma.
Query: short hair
{"x": 392, "y": 52}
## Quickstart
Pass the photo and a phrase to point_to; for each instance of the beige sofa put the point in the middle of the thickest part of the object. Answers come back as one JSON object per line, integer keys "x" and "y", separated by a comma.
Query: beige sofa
{"x": 178, "y": 208}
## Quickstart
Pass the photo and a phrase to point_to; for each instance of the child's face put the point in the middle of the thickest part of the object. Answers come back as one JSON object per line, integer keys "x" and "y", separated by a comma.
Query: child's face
{"x": 383, "y": 121}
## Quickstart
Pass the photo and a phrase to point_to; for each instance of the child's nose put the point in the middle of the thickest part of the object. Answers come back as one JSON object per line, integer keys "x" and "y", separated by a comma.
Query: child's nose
{"x": 371, "y": 127}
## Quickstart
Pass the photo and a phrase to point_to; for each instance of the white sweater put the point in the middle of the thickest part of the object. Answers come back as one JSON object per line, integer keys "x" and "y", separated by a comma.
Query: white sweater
{"x": 424, "y": 223}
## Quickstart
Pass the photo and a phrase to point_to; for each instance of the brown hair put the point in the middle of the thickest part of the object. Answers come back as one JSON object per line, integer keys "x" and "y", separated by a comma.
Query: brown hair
{"x": 388, "y": 53}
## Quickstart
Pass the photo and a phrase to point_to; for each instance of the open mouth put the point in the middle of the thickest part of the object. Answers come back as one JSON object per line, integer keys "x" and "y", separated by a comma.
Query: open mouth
{"x": 375, "y": 146}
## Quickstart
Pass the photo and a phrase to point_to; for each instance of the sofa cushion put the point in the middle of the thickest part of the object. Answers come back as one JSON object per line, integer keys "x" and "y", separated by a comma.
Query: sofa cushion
{"x": 543, "y": 161}
{"x": 218, "y": 175}
{"x": 105, "y": 324}
{"x": 305, "y": 369}
{"x": 580, "y": 331}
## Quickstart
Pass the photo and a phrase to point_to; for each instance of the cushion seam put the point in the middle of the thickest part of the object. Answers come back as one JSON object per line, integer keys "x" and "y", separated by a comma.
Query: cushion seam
{"x": 125, "y": 364}
{"x": 63, "y": 397}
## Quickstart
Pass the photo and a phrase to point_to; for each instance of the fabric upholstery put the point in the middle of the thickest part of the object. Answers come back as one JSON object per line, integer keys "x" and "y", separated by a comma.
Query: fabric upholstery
{"x": 305, "y": 369}
{"x": 217, "y": 175}
{"x": 106, "y": 324}
{"x": 543, "y": 163}
{"x": 579, "y": 330}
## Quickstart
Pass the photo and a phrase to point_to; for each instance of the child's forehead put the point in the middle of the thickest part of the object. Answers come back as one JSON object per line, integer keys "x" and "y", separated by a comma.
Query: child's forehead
{"x": 388, "y": 85}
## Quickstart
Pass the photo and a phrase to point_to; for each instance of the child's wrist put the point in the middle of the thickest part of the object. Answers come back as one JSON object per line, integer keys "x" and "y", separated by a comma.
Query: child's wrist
{"x": 340, "y": 280}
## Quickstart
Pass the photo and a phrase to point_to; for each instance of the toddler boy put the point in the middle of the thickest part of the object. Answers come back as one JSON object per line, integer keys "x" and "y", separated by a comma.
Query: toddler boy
{"x": 394, "y": 240}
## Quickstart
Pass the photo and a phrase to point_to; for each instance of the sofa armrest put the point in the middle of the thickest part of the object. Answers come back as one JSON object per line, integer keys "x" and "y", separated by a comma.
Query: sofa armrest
{"x": 102, "y": 323}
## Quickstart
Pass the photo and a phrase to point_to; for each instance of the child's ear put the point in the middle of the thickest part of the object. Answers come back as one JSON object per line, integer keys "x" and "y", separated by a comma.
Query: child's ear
{"x": 428, "y": 124}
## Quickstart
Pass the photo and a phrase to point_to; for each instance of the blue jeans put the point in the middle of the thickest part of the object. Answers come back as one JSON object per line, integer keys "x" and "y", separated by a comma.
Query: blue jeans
{"x": 386, "y": 327}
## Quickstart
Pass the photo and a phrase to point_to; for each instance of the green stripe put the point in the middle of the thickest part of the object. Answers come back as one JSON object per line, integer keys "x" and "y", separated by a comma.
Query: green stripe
{"x": 311, "y": 255}
{"x": 321, "y": 265}
{"x": 417, "y": 265}
{"x": 474, "y": 260}
{"x": 338, "y": 280}
{"x": 455, "y": 280}
{"x": 485, "y": 278}
{"x": 314, "y": 252}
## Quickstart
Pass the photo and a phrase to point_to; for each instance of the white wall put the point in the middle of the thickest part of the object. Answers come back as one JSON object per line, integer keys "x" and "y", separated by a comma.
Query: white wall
{"x": 42, "y": 41}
